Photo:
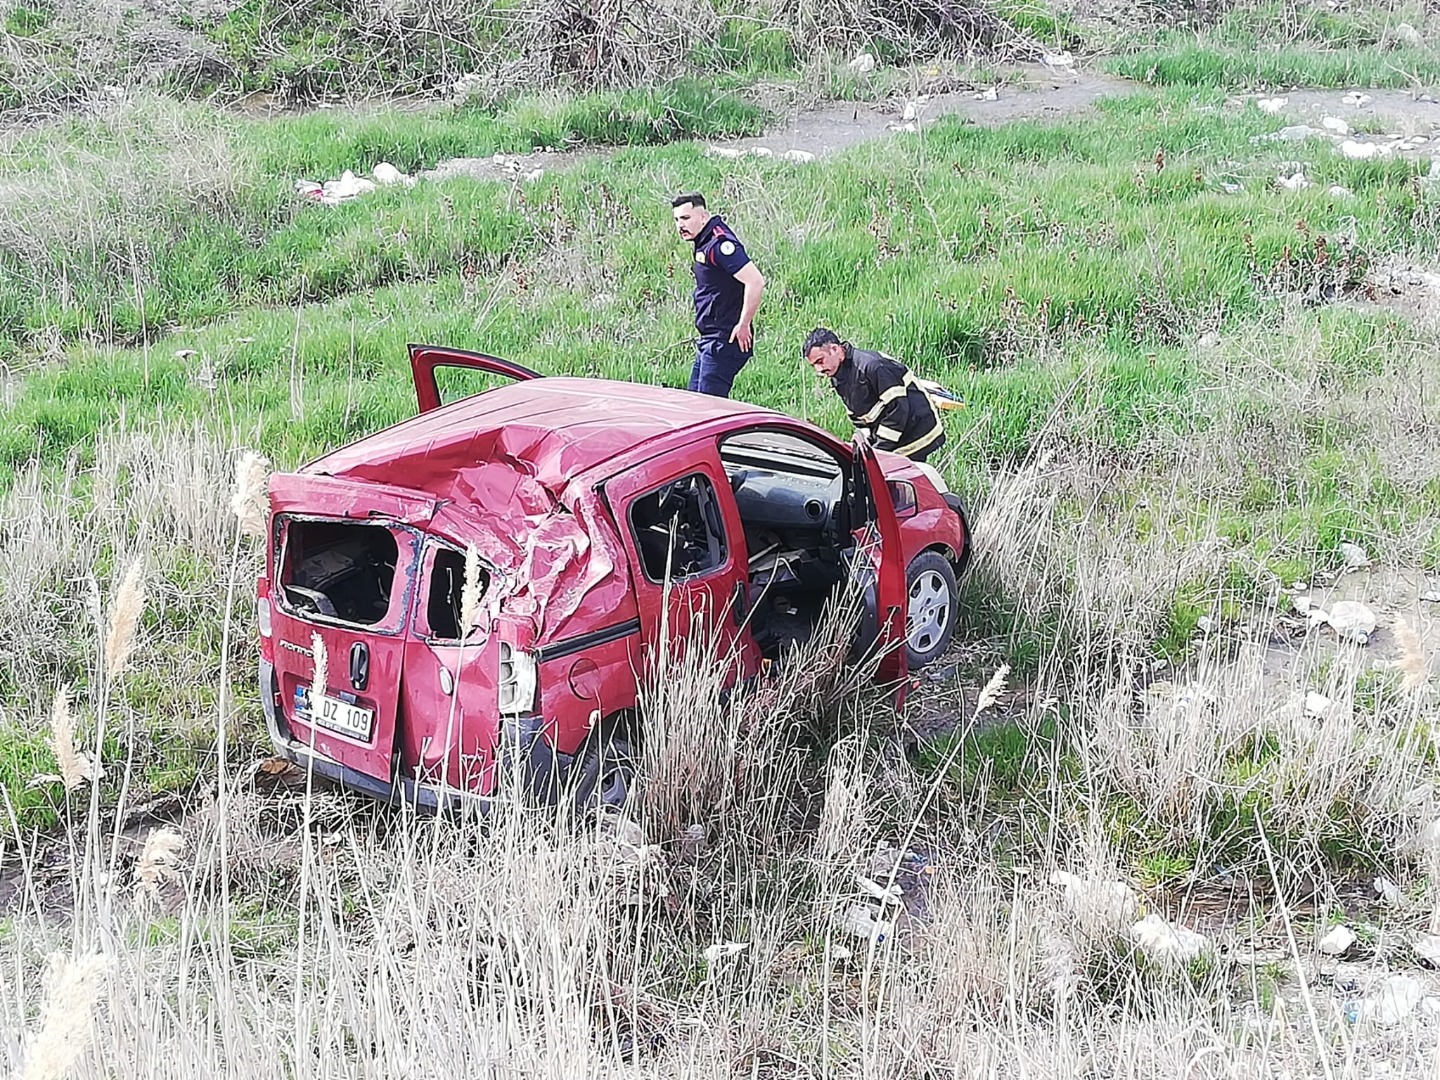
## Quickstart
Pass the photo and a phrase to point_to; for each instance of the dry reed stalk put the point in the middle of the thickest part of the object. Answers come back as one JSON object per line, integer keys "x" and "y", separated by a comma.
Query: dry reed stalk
{"x": 247, "y": 501}
{"x": 157, "y": 860}
{"x": 72, "y": 988}
{"x": 322, "y": 665}
{"x": 125, "y": 611}
{"x": 990, "y": 693}
{"x": 470, "y": 592}
{"x": 75, "y": 768}
{"x": 1413, "y": 663}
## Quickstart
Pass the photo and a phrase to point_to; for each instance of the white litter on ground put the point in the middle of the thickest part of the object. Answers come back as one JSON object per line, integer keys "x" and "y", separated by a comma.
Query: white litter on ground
{"x": 1165, "y": 941}
{"x": 1352, "y": 621}
{"x": 1337, "y": 941}
{"x": 1396, "y": 1000}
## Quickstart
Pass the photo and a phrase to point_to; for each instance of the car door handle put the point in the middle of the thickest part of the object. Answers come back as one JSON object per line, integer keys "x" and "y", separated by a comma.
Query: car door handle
{"x": 359, "y": 665}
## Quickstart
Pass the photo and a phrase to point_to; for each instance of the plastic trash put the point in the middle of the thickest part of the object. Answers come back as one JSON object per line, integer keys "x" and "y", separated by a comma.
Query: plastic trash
{"x": 860, "y": 920}
{"x": 800, "y": 157}
{"x": 1389, "y": 891}
{"x": 389, "y": 175}
{"x": 1113, "y": 902}
{"x": 1271, "y": 105}
{"x": 1398, "y": 996}
{"x": 1427, "y": 948}
{"x": 723, "y": 949}
{"x": 1352, "y": 621}
{"x": 863, "y": 63}
{"x": 1165, "y": 941}
{"x": 1337, "y": 941}
{"x": 892, "y": 895}
{"x": 1354, "y": 555}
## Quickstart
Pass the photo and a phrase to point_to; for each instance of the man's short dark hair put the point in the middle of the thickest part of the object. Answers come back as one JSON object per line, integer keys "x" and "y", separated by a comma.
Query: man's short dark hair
{"x": 817, "y": 337}
{"x": 694, "y": 199}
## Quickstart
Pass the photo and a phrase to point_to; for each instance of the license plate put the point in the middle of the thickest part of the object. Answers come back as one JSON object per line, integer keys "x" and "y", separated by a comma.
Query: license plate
{"x": 336, "y": 715}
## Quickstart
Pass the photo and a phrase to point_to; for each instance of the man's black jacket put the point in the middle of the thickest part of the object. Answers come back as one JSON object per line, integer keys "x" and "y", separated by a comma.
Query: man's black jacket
{"x": 884, "y": 400}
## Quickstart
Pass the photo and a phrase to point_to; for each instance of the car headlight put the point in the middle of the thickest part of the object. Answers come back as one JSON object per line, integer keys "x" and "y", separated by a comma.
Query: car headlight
{"x": 517, "y": 680}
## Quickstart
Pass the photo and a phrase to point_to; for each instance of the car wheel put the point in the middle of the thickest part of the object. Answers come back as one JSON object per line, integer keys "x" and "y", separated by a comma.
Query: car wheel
{"x": 604, "y": 773}
{"x": 930, "y": 608}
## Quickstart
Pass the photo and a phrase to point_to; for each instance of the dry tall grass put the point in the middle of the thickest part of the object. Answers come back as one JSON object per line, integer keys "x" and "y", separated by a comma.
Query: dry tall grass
{"x": 733, "y": 930}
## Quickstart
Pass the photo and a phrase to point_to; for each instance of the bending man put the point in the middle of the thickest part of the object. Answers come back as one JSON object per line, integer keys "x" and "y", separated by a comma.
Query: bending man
{"x": 881, "y": 395}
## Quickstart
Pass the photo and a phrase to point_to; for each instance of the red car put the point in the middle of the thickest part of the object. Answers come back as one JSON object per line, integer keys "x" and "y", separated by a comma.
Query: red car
{"x": 575, "y": 500}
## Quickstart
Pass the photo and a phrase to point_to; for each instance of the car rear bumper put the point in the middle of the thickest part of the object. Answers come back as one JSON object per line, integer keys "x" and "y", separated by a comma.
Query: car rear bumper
{"x": 541, "y": 765}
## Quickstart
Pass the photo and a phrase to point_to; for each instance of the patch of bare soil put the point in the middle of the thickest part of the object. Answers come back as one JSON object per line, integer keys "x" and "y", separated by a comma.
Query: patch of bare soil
{"x": 1403, "y": 287}
{"x": 1043, "y": 93}
{"x": 1392, "y": 111}
{"x": 1030, "y": 92}
{"x": 1362, "y": 125}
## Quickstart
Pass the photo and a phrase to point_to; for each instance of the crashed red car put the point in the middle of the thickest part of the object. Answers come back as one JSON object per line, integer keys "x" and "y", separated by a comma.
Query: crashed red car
{"x": 600, "y": 515}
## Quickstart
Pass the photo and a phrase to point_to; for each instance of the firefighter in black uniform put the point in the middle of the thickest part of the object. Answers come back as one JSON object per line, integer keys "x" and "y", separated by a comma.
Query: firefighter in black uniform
{"x": 728, "y": 288}
{"x": 881, "y": 395}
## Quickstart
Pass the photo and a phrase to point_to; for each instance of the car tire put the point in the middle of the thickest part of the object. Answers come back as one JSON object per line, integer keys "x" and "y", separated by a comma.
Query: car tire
{"x": 930, "y": 603}
{"x": 604, "y": 773}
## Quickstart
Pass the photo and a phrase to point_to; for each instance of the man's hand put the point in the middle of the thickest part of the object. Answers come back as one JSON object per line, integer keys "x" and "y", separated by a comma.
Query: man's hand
{"x": 754, "y": 282}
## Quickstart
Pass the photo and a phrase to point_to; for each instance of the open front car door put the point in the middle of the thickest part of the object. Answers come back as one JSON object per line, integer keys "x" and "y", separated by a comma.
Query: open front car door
{"x": 877, "y": 532}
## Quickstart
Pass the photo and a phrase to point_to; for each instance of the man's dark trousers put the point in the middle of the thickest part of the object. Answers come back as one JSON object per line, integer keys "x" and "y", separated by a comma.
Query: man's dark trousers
{"x": 717, "y": 362}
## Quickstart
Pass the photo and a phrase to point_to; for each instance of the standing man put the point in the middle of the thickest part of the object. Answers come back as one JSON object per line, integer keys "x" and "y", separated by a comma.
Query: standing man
{"x": 881, "y": 395}
{"x": 728, "y": 287}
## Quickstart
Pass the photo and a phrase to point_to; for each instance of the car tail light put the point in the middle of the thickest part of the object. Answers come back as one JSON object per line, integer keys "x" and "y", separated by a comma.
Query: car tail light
{"x": 262, "y": 607}
{"x": 517, "y": 680}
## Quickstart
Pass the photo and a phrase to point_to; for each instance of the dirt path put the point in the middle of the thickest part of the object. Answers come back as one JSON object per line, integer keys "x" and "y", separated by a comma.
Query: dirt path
{"x": 1041, "y": 93}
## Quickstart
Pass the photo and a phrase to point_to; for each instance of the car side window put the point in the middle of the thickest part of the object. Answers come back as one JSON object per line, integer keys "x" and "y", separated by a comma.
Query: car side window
{"x": 444, "y": 592}
{"x": 679, "y": 529}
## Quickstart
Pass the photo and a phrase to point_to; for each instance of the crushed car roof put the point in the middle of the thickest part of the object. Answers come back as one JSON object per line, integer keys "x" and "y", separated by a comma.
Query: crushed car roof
{"x": 551, "y": 429}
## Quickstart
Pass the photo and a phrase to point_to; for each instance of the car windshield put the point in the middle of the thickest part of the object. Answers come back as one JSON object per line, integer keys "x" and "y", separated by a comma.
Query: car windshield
{"x": 779, "y": 449}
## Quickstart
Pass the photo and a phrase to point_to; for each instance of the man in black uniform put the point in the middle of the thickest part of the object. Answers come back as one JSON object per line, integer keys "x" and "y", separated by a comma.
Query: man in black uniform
{"x": 880, "y": 393}
{"x": 728, "y": 287}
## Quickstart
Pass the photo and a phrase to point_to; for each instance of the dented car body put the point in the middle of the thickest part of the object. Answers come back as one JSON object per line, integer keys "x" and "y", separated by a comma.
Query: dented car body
{"x": 594, "y": 517}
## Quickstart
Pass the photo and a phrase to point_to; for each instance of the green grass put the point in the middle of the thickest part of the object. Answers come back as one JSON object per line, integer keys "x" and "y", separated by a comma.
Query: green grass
{"x": 1180, "y": 61}
{"x": 1056, "y": 275}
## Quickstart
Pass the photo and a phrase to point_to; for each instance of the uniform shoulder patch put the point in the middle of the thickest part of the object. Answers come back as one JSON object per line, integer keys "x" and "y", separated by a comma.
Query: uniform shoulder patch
{"x": 699, "y": 256}
{"x": 727, "y": 248}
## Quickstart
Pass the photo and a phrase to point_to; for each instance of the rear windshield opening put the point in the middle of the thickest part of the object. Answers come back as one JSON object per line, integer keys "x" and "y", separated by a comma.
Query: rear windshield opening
{"x": 447, "y": 588}
{"x": 341, "y": 571}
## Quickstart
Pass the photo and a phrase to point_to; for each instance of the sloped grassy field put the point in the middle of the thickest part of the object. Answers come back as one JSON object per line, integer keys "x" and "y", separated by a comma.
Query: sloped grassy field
{"x": 1183, "y": 396}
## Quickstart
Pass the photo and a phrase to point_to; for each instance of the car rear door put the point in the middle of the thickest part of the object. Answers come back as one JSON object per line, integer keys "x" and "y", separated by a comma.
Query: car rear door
{"x": 450, "y": 700}
{"x": 443, "y": 375}
{"x": 683, "y": 535}
{"x": 343, "y": 567}
{"x": 877, "y": 531}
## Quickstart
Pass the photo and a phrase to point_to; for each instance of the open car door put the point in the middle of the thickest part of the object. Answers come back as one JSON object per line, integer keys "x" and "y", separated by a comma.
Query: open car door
{"x": 878, "y": 530}
{"x": 442, "y": 375}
